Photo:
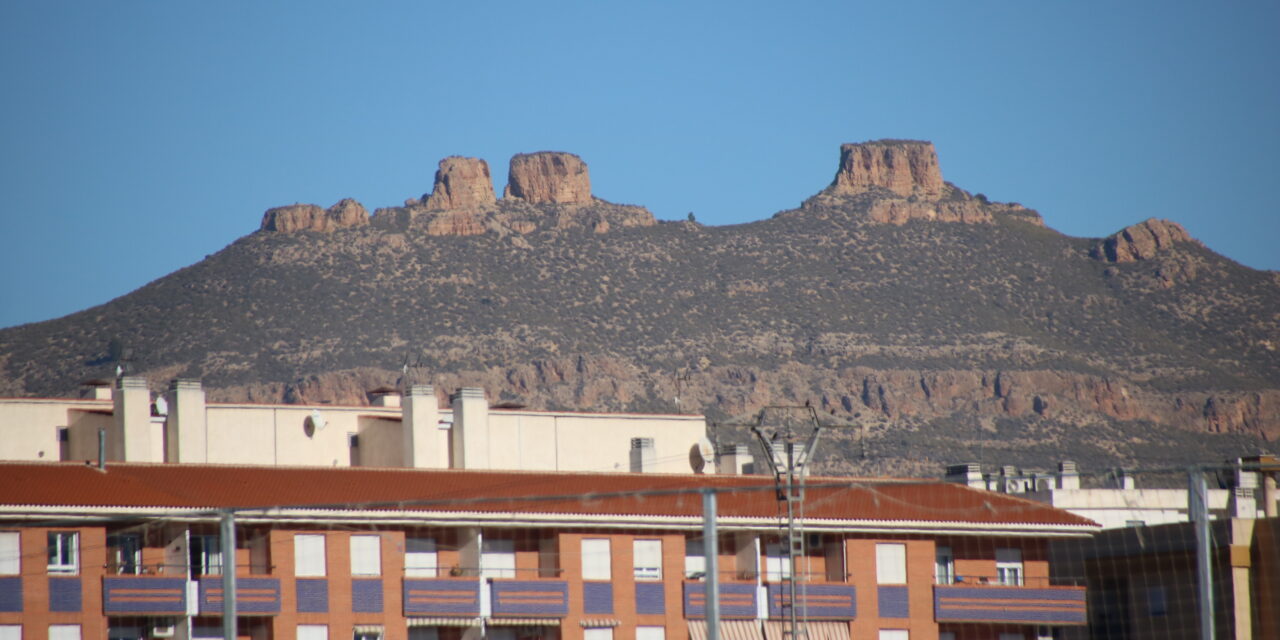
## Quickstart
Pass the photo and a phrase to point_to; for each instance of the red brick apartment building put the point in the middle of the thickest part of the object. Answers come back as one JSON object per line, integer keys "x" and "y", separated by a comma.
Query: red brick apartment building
{"x": 131, "y": 551}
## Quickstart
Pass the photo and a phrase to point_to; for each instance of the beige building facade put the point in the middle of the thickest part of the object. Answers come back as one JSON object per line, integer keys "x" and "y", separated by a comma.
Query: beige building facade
{"x": 126, "y": 422}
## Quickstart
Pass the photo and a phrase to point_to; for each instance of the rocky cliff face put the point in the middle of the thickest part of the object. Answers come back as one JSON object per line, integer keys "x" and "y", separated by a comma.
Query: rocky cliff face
{"x": 905, "y": 167}
{"x": 461, "y": 183}
{"x": 1142, "y": 241}
{"x": 309, "y": 217}
{"x": 549, "y": 177}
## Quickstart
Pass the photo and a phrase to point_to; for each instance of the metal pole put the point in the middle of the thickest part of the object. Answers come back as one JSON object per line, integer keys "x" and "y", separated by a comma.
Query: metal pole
{"x": 227, "y": 540}
{"x": 792, "y": 547}
{"x": 1198, "y": 505}
{"x": 711, "y": 554}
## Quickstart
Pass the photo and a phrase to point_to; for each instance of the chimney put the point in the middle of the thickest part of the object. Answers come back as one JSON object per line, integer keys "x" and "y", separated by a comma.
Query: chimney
{"x": 1244, "y": 503}
{"x": 1120, "y": 479}
{"x": 186, "y": 430}
{"x": 642, "y": 455}
{"x": 1068, "y": 477}
{"x": 129, "y": 438}
{"x": 470, "y": 437}
{"x": 384, "y": 397}
{"x": 736, "y": 459}
{"x": 97, "y": 389}
{"x": 418, "y": 422}
{"x": 968, "y": 474}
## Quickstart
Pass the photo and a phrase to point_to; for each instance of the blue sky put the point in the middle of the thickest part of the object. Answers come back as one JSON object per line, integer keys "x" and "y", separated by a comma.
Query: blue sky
{"x": 138, "y": 137}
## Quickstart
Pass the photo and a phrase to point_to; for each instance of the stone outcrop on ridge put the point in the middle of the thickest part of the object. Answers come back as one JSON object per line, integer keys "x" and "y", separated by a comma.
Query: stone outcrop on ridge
{"x": 310, "y": 217}
{"x": 551, "y": 177}
{"x": 461, "y": 183}
{"x": 1142, "y": 241}
{"x": 905, "y": 167}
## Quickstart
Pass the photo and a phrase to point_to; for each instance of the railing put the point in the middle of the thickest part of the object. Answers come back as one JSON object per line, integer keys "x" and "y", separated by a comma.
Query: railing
{"x": 992, "y": 603}
{"x": 144, "y": 595}
{"x": 458, "y": 597}
{"x": 529, "y": 598}
{"x": 1023, "y": 581}
{"x": 737, "y": 600}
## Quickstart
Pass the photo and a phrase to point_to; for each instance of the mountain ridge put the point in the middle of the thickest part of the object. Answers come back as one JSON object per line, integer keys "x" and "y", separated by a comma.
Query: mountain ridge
{"x": 892, "y": 299}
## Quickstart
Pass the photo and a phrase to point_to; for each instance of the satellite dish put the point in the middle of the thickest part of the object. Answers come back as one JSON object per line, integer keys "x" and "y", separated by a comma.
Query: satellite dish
{"x": 162, "y": 406}
{"x": 314, "y": 422}
{"x": 702, "y": 455}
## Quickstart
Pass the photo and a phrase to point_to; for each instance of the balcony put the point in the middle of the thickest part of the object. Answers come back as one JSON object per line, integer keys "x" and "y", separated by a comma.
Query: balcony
{"x": 985, "y": 600}
{"x": 737, "y": 600}
{"x": 817, "y": 601}
{"x": 144, "y": 595}
{"x": 529, "y": 598}
{"x": 254, "y": 596}
{"x": 452, "y": 597}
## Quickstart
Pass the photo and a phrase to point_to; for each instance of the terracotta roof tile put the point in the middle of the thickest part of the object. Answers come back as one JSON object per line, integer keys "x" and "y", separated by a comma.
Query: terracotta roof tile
{"x": 219, "y": 486}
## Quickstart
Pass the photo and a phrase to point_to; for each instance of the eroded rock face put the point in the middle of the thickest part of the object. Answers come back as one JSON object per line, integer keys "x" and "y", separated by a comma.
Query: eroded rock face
{"x": 309, "y": 217}
{"x": 898, "y": 212}
{"x": 552, "y": 177}
{"x": 461, "y": 183}
{"x": 1141, "y": 241}
{"x": 905, "y": 167}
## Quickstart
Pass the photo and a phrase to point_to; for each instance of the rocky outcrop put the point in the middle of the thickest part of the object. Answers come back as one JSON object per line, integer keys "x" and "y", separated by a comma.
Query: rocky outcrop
{"x": 309, "y": 217}
{"x": 898, "y": 212}
{"x": 1142, "y": 241}
{"x": 549, "y": 177}
{"x": 461, "y": 183}
{"x": 905, "y": 167}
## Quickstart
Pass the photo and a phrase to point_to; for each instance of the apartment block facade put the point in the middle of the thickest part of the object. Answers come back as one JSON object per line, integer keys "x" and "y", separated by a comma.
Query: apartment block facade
{"x": 132, "y": 551}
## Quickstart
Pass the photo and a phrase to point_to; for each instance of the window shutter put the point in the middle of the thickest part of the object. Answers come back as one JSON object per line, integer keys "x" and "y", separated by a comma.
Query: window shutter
{"x": 64, "y": 632}
{"x": 647, "y": 559}
{"x": 695, "y": 560}
{"x": 596, "y": 559}
{"x": 420, "y": 558}
{"x": 651, "y": 633}
{"x": 308, "y": 555}
{"x": 891, "y": 563}
{"x": 10, "y": 632}
{"x": 366, "y": 555}
{"x": 313, "y": 632}
{"x": 10, "y": 553}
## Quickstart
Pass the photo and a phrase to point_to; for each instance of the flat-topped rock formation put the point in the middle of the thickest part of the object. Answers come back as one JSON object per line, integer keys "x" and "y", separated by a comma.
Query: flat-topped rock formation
{"x": 905, "y": 167}
{"x": 551, "y": 177}
{"x": 310, "y": 217}
{"x": 461, "y": 183}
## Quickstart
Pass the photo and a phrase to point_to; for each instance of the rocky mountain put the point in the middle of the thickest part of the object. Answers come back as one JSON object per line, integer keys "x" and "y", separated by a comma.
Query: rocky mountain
{"x": 928, "y": 324}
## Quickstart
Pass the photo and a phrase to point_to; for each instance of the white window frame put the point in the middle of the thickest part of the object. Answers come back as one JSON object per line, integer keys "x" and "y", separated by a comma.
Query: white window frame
{"x": 1009, "y": 567}
{"x": 366, "y": 555}
{"x": 646, "y": 559}
{"x": 695, "y": 559}
{"x": 209, "y": 549}
{"x": 10, "y": 553}
{"x": 313, "y": 632}
{"x": 64, "y": 554}
{"x": 497, "y": 558}
{"x": 944, "y": 565}
{"x": 421, "y": 560}
{"x": 309, "y": 555}
{"x": 64, "y": 632}
{"x": 777, "y": 563}
{"x": 597, "y": 559}
{"x": 126, "y": 553}
{"x": 891, "y": 563}
{"x": 651, "y": 633}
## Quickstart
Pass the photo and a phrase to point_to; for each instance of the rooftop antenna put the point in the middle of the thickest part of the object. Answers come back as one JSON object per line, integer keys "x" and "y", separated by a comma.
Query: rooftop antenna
{"x": 789, "y": 460}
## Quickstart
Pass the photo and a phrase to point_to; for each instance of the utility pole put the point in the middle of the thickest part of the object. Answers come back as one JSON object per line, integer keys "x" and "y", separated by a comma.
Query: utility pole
{"x": 790, "y": 467}
{"x": 1198, "y": 507}
{"x": 711, "y": 555}
{"x": 227, "y": 542}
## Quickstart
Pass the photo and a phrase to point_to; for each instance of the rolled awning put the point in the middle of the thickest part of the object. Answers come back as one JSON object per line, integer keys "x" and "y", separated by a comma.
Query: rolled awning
{"x": 368, "y": 628}
{"x": 823, "y": 630}
{"x": 596, "y": 623}
{"x": 523, "y": 622}
{"x": 444, "y": 622}
{"x": 729, "y": 630}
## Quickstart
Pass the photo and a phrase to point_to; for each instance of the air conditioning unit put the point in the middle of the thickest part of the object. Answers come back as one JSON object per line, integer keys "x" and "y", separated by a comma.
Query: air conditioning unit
{"x": 163, "y": 629}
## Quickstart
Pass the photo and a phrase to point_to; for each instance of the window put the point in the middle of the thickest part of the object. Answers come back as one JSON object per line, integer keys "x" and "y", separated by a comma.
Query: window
{"x": 599, "y": 633}
{"x": 206, "y": 556}
{"x": 894, "y": 634}
{"x": 10, "y": 553}
{"x": 1009, "y": 567}
{"x": 1157, "y": 602}
{"x": 124, "y": 552}
{"x": 651, "y": 633}
{"x": 497, "y": 559}
{"x": 313, "y": 632}
{"x": 424, "y": 633}
{"x": 308, "y": 555}
{"x": 64, "y": 556}
{"x": 64, "y": 632}
{"x": 891, "y": 565}
{"x": 946, "y": 635}
{"x": 647, "y": 559}
{"x": 695, "y": 560}
{"x": 367, "y": 632}
{"x": 1012, "y": 636}
{"x": 10, "y": 632}
{"x": 366, "y": 555}
{"x": 420, "y": 558}
{"x": 596, "y": 559}
{"x": 944, "y": 566}
{"x": 777, "y": 566}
